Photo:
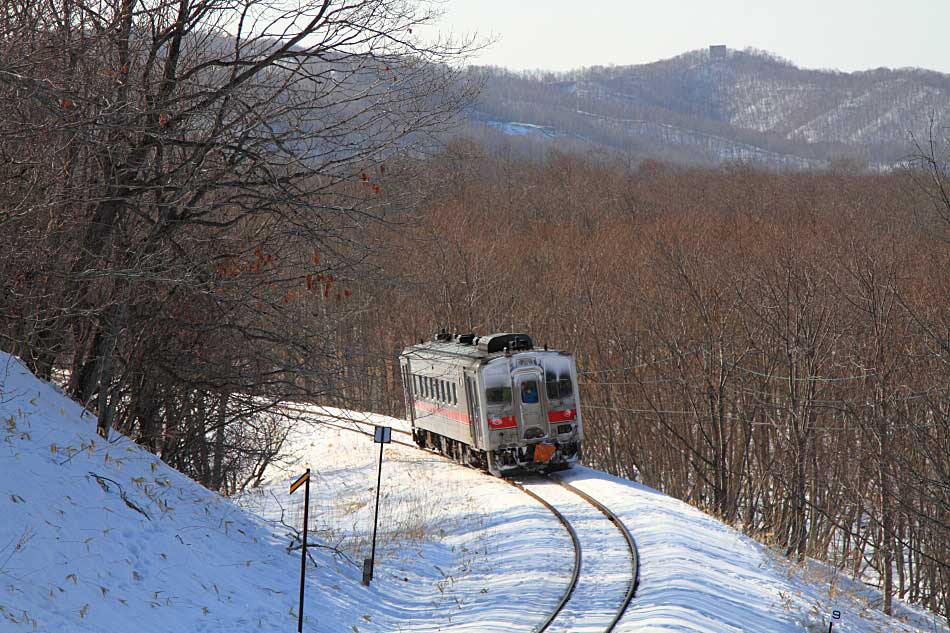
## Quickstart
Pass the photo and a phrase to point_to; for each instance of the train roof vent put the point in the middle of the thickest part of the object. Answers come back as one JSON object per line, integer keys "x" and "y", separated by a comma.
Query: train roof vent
{"x": 443, "y": 335}
{"x": 500, "y": 342}
{"x": 466, "y": 339}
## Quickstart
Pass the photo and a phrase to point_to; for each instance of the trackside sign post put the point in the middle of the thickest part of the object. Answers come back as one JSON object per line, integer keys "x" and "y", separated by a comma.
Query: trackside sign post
{"x": 382, "y": 436}
{"x": 303, "y": 480}
{"x": 835, "y": 615}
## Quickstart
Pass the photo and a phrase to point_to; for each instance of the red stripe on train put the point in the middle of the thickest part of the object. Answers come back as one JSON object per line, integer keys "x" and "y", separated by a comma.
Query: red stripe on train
{"x": 506, "y": 422}
{"x": 445, "y": 413}
{"x": 567, "y": 415}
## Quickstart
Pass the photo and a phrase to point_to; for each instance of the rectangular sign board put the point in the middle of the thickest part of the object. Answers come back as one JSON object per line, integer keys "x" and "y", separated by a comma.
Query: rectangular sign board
{"x": 300, "y": 481}
{"x": 383, "y": 435}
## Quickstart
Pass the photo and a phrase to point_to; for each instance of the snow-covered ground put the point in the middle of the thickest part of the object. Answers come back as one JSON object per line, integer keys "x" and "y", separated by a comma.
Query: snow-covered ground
{"x": 102, "y": 536}
{"x": 697, "y": 574}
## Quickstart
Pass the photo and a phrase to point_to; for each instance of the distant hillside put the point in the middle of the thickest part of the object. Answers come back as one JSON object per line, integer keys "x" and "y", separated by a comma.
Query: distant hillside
{"x": 707, "y": 108}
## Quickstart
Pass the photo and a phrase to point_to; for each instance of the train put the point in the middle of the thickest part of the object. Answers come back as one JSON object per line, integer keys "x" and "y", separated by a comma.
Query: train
{"x": 495, "y": 402}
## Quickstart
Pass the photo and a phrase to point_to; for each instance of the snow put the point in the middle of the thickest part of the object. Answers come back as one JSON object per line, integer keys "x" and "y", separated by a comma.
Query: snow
{"x": 457, "y": 550}
{"x": 478, "y": 555}
{"x": 516, "y": 128}
{"x": 77, "y": 556}
{"x": 606, "y": 566}
{"x": 698, "y": 574}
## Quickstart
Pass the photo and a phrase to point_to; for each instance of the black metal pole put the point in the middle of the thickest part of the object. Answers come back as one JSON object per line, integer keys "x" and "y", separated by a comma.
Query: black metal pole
{"x": 379, "y": 481}
{"x": 303, "y": 549}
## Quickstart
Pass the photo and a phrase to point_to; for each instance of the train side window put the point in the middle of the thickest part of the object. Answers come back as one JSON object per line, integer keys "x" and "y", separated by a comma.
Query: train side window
{"x": 455, "y": 394}
{"x": 442, "y": 390}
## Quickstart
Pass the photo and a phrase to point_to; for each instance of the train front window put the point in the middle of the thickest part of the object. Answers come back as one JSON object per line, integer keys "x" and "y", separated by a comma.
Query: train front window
{"x": 565, "y": 387}
{"x": 498, "y": 395}
{"x": 557, "y": 378}
{"x": 529, "y": 392}
{"x": 497, "y": 383}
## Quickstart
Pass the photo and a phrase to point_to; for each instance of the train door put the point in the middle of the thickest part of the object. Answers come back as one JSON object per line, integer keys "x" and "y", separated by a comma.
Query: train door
{"x": 528, "y": 388}
{"x": 409, "y": 392}
{"x": 471, "y": 398}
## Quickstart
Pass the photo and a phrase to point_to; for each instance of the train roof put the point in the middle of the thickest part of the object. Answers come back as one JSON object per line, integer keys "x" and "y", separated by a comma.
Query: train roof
{"x": 471, "y": 347}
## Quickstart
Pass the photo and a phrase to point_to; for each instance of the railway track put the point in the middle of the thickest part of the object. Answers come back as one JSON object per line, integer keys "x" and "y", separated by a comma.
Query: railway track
{"x": 604, "y": 582}
{"x": 615, "y": 568}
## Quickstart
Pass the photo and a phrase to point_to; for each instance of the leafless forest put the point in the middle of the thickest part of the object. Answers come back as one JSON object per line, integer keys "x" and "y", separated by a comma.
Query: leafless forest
{"x": 210, "y": 210}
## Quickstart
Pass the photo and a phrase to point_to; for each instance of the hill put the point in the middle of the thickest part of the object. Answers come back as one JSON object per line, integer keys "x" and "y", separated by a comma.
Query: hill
{"x": 706, "y": 107}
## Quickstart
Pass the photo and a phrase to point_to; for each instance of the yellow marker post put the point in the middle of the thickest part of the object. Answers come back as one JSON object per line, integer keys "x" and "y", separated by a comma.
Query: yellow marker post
{"x": 303, "y": 479}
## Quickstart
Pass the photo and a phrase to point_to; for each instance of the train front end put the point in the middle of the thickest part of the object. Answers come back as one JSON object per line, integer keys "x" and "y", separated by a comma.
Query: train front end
{"x": 532, "y": 409}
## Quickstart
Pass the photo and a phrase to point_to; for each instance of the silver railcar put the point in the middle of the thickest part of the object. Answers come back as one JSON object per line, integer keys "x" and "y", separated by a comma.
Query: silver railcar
{"x": 494, "y": 401}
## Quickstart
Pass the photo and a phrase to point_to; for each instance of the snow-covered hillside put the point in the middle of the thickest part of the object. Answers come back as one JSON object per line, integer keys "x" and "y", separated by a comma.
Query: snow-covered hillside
{"x": 700, "y": 108}
{"x": 102, "y": 536}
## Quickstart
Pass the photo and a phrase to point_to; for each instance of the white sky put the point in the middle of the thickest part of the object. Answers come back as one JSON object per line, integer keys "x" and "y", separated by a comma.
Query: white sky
{"x": 840, "y": 34}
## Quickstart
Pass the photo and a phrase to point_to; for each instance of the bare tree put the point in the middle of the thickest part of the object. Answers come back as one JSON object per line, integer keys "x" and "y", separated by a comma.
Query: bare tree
{"x": 189, "y": 184}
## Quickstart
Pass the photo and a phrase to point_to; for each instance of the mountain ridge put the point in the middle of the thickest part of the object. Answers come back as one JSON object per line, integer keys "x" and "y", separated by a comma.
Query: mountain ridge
{"x": 708, "y": 107}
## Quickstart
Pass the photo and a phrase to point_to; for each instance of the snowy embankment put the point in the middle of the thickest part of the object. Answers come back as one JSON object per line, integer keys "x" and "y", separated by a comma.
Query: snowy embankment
{"x": 103, "y": 536}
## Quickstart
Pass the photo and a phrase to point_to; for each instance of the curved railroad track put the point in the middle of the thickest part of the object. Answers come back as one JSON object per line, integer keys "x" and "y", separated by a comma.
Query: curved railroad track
{"x": 558, "y": 619}
{"x": 604, "y": 564}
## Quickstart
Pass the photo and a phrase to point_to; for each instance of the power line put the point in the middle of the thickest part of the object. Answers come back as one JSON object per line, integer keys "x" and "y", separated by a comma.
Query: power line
{"x": 776, "y": 425}
{"x": 808, "y": 378}
{"x": 641, "y": 366}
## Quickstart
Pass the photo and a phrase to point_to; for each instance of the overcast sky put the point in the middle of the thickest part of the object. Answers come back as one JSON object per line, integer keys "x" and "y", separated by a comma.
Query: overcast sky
{"x": 840, "y": 34}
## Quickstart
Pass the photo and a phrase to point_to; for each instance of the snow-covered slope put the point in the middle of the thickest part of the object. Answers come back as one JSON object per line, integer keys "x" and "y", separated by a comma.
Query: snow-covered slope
{"x": 700, "y": 108}
{"x": 102, "y": 536}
